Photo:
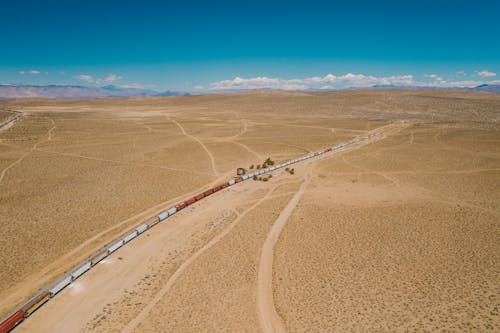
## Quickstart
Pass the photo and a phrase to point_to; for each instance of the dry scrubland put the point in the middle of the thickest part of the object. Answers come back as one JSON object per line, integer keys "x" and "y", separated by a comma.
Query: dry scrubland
{"x": 397, "y": 235}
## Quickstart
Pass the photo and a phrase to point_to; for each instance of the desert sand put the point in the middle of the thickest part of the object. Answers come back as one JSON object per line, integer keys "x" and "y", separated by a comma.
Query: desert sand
{"x": 398, "y": 234}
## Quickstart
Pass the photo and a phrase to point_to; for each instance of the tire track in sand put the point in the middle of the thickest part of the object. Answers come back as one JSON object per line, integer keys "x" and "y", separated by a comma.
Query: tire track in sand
{"x": 129, "y": 328}
{"x": 212, "y": 159}
{"x": 269, "y": 319}
{"x": 31, "y": 150}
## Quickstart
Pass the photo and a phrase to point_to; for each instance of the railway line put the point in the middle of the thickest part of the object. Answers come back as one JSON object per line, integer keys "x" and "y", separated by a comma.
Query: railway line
{"x": 23, "y": 312}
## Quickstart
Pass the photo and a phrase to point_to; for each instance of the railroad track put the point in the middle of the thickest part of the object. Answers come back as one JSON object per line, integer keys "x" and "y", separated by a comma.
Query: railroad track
{"x": 28, "y": 308}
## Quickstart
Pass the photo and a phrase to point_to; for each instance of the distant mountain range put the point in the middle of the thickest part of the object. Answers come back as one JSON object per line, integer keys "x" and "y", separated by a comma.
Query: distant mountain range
{"x": 493, "y": 88}
{"x": 61, "y": 91}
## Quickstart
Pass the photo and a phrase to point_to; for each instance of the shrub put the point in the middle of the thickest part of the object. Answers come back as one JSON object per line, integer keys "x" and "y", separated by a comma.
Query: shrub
{"x": 254, "y": 177}
{"x": 251, "y": 166}
{"x": 258, "y": 166}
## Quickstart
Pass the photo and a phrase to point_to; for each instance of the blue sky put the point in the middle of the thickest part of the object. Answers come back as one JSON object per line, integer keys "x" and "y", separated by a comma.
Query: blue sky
{"x": 224, "y": 45}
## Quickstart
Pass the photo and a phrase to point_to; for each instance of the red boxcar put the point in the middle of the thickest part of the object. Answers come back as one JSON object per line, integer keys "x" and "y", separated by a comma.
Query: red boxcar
{"x": 180, "y": 206}
{"x": 190, "y": 201}
{"x": 199, "y": 197}
{"x": 239, "y": 179}
{"x": 11, "y": 322}
{"x": 224, "y": 185}
{"x": 207, "y": 193}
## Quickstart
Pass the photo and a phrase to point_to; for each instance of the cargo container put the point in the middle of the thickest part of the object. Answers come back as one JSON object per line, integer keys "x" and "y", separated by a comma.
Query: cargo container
{"x": 172, "y": 211}
{"x": 140, "y": 229}
{"x": 231, "y": 182}
{"x": 130, "y": 236}
{"x": 190, "y": 201}
{"x": 239, "y": 179}
{"x": 207, "y": 193}
{"x": 115, "y": 246}
{"x": 98, "y": 257}
{"x": 199, "y": 196}
{"x": 35, "y": 303}
{"x": 163, "y": 216}
{"x": 60, "y": 285}
{"x": 152, "y": 221}
{"x": 180, "y": 206}
{"x": 8, "y": 324}
{"x": 80, "y": 270}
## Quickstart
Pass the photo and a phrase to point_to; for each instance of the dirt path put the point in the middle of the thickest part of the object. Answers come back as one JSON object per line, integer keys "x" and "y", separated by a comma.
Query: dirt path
{"x": 35, "y": 147}
{"x": 212, "y": 159}
{"x": 9, "y": 122}
{"x": 163, "y": 291}
{"x": 269, "y": 319}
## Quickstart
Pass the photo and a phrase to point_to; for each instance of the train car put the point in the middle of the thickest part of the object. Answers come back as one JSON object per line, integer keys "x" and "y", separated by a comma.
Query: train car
{"x": 81, "y": 269}
{"x": 172, "y": 211}
{"x": 237, "y": 180}
{"x": 224, "y": 185}
{"x": 208, "y": 192}
{"x": 99, "y": 256}
{"x": 190, "y": 201}
{"x": 180, "y": 206}
{"x": 12, "y": 321}
{"x": 199, "y": 196}
{"x": 143, "y": 227}
{"x": 231, "y": 182}
{"x": 163, "y": 216}
{"x": 115, "y": 246}
{"x": 60, "y": 285}
{"x": 152, "y": 221}
{"x": 131, "y": 235}
{"x": 35, "y": 303}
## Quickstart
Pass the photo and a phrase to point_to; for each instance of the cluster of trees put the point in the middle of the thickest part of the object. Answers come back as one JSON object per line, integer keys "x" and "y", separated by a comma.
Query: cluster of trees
{"x": 267, "y": 163}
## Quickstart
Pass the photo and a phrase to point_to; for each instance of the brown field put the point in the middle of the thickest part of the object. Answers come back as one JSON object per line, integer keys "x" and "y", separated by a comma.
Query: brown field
{"x": 396, "y": 234}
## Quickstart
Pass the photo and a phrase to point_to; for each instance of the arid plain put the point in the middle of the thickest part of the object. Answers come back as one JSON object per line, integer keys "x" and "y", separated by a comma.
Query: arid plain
{"x": 399, "y": 233}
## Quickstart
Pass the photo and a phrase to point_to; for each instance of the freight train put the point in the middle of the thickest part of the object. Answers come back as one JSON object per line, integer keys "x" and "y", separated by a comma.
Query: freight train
{"x": 36, "y": 302}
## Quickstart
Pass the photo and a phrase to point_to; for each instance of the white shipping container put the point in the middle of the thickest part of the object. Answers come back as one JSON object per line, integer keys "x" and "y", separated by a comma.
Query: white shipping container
{"x": 112, "y": 248}
{"x": 130, "y": 236}
{"x": 80, "y": 270}
{"x": 60, "y": 285}
{"x": 231, "y": 182}
{"x": 163, "y": 216}
{"x": 172, "y": 211}
{"x": 140, "y": 229}
{"x": 245, "y": 177}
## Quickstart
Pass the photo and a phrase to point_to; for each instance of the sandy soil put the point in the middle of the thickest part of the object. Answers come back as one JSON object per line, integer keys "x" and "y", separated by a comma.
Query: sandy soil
{"x": 397, "y": 235}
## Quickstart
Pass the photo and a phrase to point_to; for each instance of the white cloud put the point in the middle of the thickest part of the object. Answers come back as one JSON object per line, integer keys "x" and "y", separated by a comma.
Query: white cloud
{"x": 85, "y": 77}
{"x": 31, "y": 72}
{"x": 331, "y": 81}
{"x": 137, "y": 86}
{"x": 111, "y": 78}
{"x": 199, "y": 87}
{"x": 434, "y": 76}
{"x": 486, "y": 73}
